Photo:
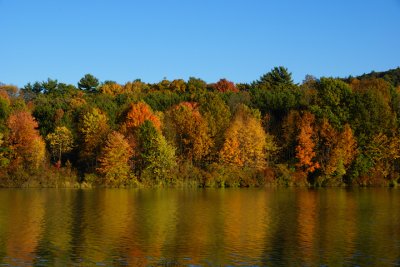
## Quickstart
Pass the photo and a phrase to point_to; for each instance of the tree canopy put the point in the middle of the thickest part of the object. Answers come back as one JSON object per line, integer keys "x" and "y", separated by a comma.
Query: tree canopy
{"x": 325, "y": 131}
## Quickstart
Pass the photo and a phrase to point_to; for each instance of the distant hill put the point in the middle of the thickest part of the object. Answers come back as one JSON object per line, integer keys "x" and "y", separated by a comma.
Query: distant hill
{"x": 392, "y": 76}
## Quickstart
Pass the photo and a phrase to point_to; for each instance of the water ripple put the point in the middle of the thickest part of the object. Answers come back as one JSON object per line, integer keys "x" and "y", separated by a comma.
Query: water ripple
{"x": 255, "y": 227}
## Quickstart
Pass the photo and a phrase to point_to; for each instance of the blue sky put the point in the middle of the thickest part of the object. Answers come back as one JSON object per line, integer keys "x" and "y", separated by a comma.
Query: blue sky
{"x": 124, "y": 40}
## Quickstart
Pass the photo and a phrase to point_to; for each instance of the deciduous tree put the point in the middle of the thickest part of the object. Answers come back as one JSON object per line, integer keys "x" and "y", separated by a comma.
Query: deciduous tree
{"x": 217, "y": 114}
{"x": 178, "y": 85}
{"x": 137, "y": 114}
{"x": 94, "y": 129}
{"x": 5, "y": 108}
{"x": 383, "y": 151}
{"x": 188, "y": 129}
{"x": 156, "y": 156}
{"x": 335, "y": 152}
{"x": 111, "y": 88}
{"x": 4, "y": 157}
{"x": 334, "y": 98}
{"x": 114, "y": 160}
{"x": 305, "y": 147}
{"x": 24, "y": 140}
{"x": 196, "y": 85}
{"x": 245, "y": 141}
{"x": 60, "y": 142}
{"x": 224, "y": 85}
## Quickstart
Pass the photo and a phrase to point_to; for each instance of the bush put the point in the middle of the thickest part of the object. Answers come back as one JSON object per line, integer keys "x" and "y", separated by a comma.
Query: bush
{"x": 233, "y": 176}
{"x": 284, "y": 175}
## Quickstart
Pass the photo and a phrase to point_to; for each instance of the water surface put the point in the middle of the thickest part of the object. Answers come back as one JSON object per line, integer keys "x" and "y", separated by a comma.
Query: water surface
{"x": 228, "y": 227}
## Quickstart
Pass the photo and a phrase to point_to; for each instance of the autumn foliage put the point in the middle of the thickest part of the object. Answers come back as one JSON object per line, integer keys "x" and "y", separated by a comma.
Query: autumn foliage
{"x": 322, "y": 132}
{"x": 137, "y": 114}
{"x": 305, "y": 148}
{"x": 189, "y": 131}
{"x": 24, "y": 140}
{"x": 245, "y": 141}
{"x": 114, "y": 160}
{"x": 94, "y": 128}
{"x": 224, "y": 85}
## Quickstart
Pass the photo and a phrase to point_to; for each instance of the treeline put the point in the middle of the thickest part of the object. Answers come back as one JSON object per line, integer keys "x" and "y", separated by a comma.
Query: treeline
{"x": 322, "y": 132}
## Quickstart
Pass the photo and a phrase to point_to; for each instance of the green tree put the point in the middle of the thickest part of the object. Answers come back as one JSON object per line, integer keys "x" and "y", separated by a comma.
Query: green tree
{"x": 4, "y": 153}
{"x": 107, "y": 104}
{"x": 161, "y": 101}
{"x": 333, "y": 102}
{"x": 277, "y": 77}
{"x": 88, "y": 83}
{"x": 5, "y": 108}
{"x": 371, "y": 111}
{"x": 196, "y": 85}
{"x": 157, "y": 157}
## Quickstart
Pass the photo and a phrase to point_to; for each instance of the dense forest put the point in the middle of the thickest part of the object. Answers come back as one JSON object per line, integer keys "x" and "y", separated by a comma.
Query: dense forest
{"x": 322, "y": 132}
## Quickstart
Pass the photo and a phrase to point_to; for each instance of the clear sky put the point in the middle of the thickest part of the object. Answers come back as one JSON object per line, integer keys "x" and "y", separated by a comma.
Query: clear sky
{"x": 124, "y": 40}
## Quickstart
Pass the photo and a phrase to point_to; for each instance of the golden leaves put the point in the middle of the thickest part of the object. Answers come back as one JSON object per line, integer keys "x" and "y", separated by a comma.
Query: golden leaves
{"x": 245, "y": 141}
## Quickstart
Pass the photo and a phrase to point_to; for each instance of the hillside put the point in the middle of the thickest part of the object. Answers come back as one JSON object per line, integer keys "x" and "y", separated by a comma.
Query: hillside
{"x": 392, "y": 76}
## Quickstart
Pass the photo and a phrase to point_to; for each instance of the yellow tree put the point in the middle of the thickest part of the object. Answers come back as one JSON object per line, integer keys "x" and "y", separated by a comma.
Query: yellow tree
{"x": 136, "y": 86}
{"x": 94, "y": 129}
{"x": 60, "y": 142}
{"x": 384, "y": 150}
{"x": 114, "y": 160}
{"x": 336, "y": 151}
{"x": 217, "y": 114}
{"x": 111, "y": 88}
{"x": 343, "y": 153}
{"x": 189, "y": 130}
{"x": 305, "y": 144}
{"x": 245, "y": 141}
{"x": 178, "y": 86}
{"x": 347, "y": 145}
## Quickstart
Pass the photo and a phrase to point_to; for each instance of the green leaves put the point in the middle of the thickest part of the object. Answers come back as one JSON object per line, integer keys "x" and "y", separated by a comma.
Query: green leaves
{"x": 157, "y": 156}
{"x": 278, "y": 77}
{"x": 334, "y": 99}
{"x": 88, "y": 83}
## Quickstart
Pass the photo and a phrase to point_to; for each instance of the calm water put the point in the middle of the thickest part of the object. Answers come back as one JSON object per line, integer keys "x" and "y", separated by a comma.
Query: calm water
{"x": 256, "y": 227}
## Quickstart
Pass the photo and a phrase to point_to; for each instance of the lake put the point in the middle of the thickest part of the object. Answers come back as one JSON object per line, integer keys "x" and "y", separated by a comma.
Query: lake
{"x": 200, "y": 227}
